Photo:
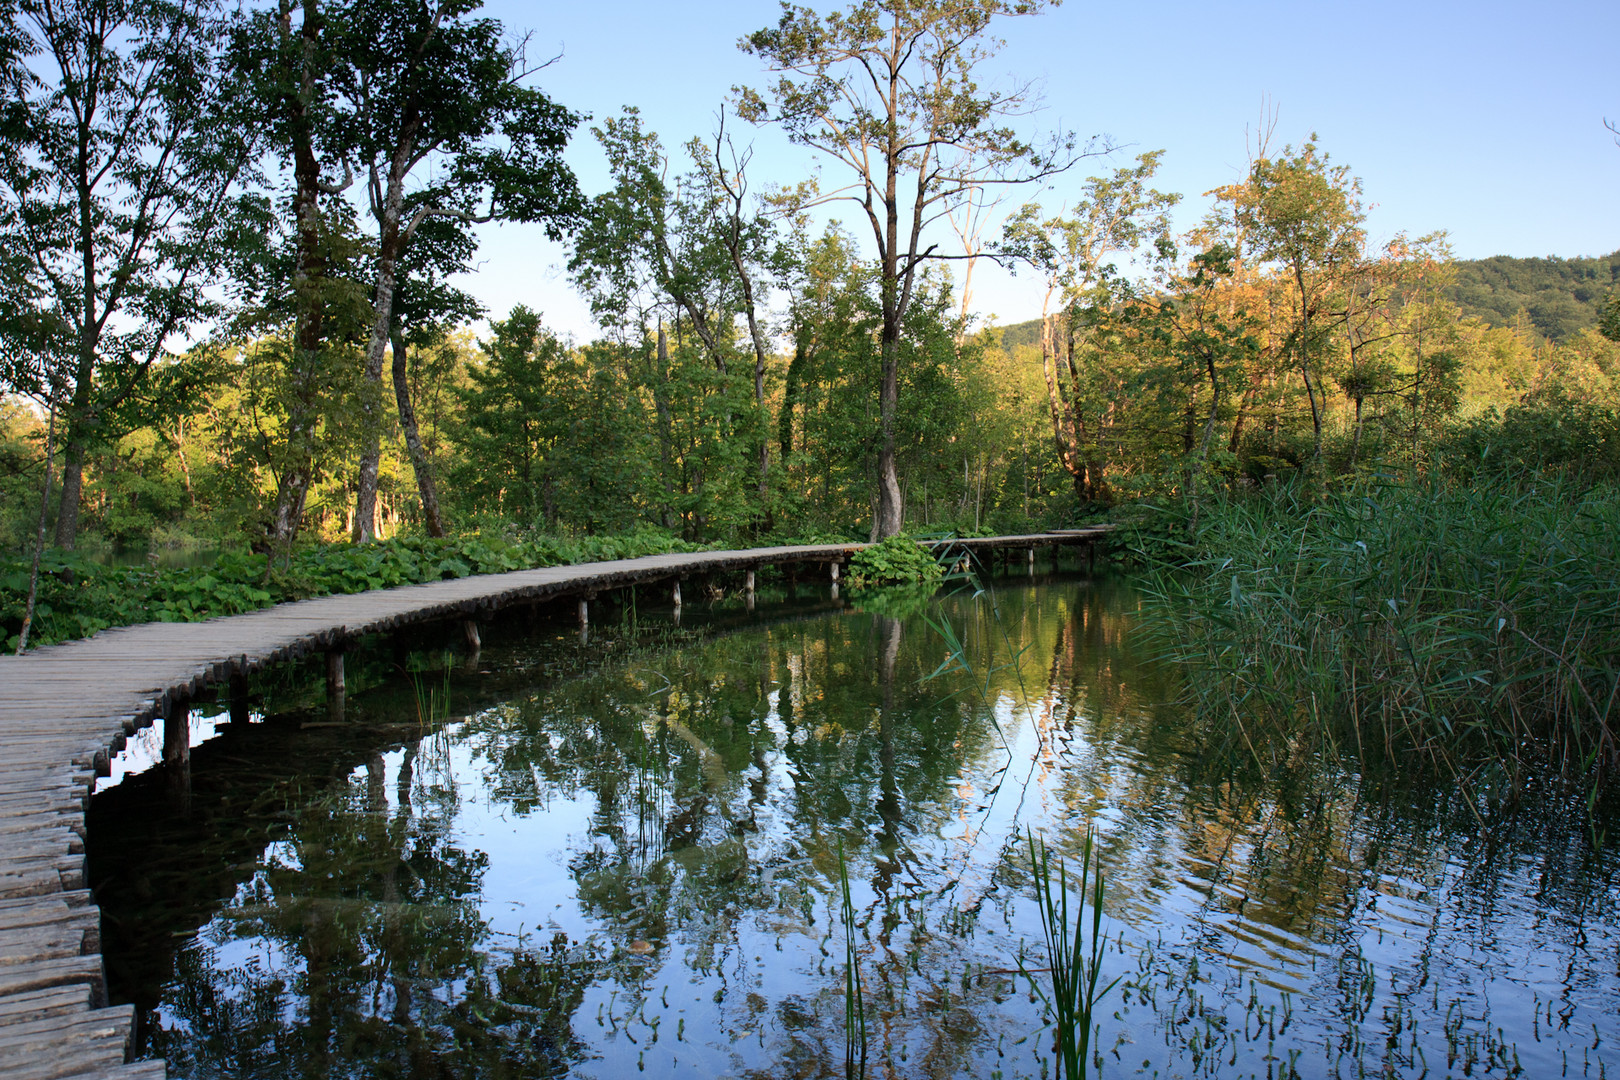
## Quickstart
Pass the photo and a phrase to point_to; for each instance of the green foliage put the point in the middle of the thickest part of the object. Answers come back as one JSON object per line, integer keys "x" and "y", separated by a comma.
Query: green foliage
{"x": 1074, "y": 959}
{"x": 79, "y": 598}
{"x": 1476, "y": 627}
{"x": 1560, "y": 296}
{"x": 895, "y": 561}
{"x": 1551, "y": 433}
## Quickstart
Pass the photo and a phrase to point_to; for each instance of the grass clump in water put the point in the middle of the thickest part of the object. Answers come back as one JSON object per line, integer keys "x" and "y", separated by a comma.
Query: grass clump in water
{"x": 1074, "y": 960}
{"x": 1475, "y": 627}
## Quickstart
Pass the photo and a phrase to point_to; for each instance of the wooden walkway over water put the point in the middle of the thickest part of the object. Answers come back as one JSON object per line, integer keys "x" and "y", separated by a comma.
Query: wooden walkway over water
{"x": 66, "y": 709}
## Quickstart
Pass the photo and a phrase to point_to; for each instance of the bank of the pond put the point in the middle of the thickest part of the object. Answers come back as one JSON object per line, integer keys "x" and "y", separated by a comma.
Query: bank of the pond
{"x": 622, "y": 857}
{"x": 80, "y": 596}
{"x": 1473, "y": 626}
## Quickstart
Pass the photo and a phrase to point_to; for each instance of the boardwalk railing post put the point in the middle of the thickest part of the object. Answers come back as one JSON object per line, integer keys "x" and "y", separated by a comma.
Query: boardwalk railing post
{"x": 336, "y": 687}
{"x": 177, "y": 731}
{"x": 239, "y": 691}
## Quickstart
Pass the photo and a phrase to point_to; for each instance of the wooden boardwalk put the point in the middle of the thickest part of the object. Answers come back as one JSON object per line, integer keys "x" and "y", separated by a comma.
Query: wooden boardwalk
{"x": 66, "y": 709}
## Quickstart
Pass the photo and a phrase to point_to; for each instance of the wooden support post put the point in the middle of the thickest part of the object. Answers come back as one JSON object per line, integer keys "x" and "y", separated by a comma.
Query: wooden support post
{"x": 177, "y": 732}
{"x": 469, "y": 629}
{"x": 677, "y": 594}
{"x": 239, "y": 694}
{"x": 748, "y": 590}
{"x": 584, "y": 612}
{"x": 336, "y": 686}
{"x": 835, "y": 573}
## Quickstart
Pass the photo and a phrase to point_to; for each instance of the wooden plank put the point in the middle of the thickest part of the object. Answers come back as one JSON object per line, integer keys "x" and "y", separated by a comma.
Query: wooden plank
{"x": 58, "y": 971}
{"x": 44, "y": 1003}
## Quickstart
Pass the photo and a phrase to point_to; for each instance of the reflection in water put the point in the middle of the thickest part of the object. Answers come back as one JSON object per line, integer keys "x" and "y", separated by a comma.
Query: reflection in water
{"x": 637, "y": 869}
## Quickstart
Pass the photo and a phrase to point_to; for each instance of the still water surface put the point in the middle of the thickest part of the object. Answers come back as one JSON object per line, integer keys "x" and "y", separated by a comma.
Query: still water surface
{"x": 614, "y": 861}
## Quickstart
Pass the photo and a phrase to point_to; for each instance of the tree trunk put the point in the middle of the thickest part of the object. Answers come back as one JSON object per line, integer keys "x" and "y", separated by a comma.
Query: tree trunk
{"x": 666, "y": 438}
{"x": 1063, "y": 427}
{"x": 889, "y": 517}
{"x": 390, "y": 242}
{"x": 421, "y": 464}
{"x": 67, "y": 515}
{"x": 309, "y": 272}
{"x": 1304, "y": 362}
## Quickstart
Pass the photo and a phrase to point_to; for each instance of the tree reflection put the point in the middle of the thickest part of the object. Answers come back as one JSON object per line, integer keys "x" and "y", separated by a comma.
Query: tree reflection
{"x": 690, "y": 802}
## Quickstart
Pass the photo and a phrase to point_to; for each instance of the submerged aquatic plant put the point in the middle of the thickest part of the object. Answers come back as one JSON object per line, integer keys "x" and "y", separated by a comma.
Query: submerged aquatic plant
{"x": 1074, "y": 960}
{"x": 854, "y": 992}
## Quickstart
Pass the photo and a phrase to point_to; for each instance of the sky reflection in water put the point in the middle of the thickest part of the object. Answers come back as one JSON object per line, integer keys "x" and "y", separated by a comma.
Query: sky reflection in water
{"x": 635, "y": 869}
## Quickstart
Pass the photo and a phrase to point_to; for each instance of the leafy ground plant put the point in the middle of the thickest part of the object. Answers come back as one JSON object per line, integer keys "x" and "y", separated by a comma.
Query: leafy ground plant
{"x": 899, "y": 560}
{"x": 79, "y": 597}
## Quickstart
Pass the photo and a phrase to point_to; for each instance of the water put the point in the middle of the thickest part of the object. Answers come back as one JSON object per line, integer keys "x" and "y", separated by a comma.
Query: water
{"x": 610, "y": 861}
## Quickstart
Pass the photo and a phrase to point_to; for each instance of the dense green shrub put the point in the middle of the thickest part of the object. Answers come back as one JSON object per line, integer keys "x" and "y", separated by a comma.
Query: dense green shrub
{"x": 896, "y": 561}
{"x": 1550, "y": 433}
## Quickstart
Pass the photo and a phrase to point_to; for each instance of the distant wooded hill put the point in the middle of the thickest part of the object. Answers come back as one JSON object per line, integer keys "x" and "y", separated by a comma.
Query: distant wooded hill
{"x": 1561, "y": 297}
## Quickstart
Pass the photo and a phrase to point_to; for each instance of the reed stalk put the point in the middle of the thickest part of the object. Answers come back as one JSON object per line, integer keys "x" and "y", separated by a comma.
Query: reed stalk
{"x": 854, "y": 992}
{"x": 1074, "y": 958}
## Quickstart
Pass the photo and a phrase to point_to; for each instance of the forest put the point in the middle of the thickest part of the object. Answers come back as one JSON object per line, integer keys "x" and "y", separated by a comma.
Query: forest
{"x": 234, "y": 245}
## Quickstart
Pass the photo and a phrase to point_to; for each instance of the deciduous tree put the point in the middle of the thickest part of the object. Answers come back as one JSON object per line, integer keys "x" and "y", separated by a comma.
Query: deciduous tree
{"x": 890, "y": 90}
{"x": 118, "y": 163}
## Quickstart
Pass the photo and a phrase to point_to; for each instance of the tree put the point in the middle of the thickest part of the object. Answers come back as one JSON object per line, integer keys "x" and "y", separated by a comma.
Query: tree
{"x": 888, "y": 90}
{"x": 118, "y": 163}
{"x": 689, "y": 253}
{"x": 295, "y": 280}
{"x": 1303, "y": 213}
{"x": 426, "y": 308}
{"x": 423, "y": 83}
{"x": 1073, "y": 254}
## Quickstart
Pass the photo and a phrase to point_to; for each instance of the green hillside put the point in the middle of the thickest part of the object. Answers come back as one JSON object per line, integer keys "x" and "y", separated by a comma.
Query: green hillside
{"x": 1561, "y": 297}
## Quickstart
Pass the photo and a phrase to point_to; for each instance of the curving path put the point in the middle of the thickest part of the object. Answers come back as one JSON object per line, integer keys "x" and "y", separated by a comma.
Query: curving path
{"x": 65, "y": 709}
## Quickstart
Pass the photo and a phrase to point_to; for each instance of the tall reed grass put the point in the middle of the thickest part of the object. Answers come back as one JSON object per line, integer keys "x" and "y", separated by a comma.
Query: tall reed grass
{"x": 1477, "y": 627}
{"x": 1074, "y": 958}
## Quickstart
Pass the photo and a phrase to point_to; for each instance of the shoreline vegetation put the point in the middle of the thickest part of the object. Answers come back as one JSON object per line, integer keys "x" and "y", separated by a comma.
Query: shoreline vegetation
{"x": 1474, "y": 628}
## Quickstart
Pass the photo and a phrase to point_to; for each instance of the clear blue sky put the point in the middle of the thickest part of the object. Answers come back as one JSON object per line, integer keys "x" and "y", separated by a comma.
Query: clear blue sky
{"x": 1482, "y": 119}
